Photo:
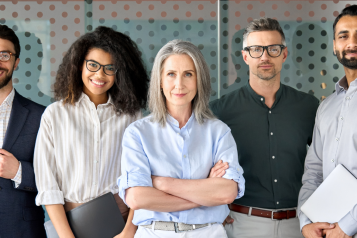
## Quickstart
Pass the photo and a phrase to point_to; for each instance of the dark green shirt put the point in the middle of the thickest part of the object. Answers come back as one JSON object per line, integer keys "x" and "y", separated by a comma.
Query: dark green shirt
{"x": 271, "y": 142}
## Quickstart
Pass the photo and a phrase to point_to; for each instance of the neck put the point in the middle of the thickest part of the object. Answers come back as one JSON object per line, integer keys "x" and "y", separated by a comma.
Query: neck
{"x": 351, "y": 75}
{"x": 181, "y": 113}
{"x": 96, "y": 99}
{"x": 5, "y": 91}
{"x": 265, "y": 88}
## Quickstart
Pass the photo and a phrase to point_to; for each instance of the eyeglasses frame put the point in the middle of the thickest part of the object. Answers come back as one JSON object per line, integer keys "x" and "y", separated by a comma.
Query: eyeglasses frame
{"x": 11, "y": 54}
{"x": 264, "y": 48}
{"x": 100, "y": 66}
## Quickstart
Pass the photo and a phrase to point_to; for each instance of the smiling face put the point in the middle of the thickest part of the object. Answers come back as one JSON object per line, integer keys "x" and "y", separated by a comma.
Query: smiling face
{"x": 96, "y": 84}
{"x": 179, "y": 81}
{"x": 7, "y": 68}
{"x": 265, "y": 67}
{"x": 345, "y": 42}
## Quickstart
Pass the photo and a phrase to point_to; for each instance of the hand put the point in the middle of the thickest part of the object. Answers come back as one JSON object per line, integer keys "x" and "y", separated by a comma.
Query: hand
{"x": 219, "y": 169}
{"x": 316, "y": 230}
{"x": 159, "y": 182}
{"x": 228, "y": 220}
{"x": 336, "y": 233}
{"x": 9, "y": 165}
{"x": 124, "y": 234}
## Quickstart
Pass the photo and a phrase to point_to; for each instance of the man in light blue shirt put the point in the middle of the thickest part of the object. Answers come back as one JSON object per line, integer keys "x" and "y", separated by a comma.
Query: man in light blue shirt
{"x": 335, "y": 132}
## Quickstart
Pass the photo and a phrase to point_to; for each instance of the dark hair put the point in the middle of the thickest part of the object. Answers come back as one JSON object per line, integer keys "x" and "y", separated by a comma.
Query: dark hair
{"x": 263, "y": 24}
{"x": 7, "y": 33}
{"x": 129, "y": 92}
{"x": 348, "y": 11}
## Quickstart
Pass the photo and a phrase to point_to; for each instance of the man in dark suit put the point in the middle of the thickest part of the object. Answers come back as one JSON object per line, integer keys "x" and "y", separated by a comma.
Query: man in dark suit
{"x": 19, "y": 123}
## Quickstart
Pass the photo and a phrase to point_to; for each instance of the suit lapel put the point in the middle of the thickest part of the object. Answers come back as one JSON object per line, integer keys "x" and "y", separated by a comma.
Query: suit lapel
{"x": 16, "y": 122}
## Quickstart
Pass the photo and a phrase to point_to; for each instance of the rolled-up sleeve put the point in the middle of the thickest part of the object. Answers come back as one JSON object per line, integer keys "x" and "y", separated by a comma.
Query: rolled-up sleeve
{"x": 348, "y": 223}
{"x": 313, "y": 175}
{"x": 135, "y": 165}
{"x": 45, "y": 165}
{"x": 227, "y": 152}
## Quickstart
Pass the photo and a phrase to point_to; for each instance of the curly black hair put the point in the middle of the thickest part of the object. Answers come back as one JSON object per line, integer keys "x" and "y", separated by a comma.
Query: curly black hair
{"x": 129, "y": 92}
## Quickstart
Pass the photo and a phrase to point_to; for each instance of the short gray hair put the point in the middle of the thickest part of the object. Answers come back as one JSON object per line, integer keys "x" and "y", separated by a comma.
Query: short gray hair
{"x": 263, "y": 24}
{"x": 200, "y": 103}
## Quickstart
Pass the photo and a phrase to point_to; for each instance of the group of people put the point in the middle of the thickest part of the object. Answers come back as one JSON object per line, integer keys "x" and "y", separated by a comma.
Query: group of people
{"x": 173, "y": 172}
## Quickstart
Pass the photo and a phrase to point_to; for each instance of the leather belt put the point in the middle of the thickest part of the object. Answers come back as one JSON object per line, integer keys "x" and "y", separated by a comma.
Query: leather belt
{"x": 279, "y": 215}
{"x": 178, "y": 227}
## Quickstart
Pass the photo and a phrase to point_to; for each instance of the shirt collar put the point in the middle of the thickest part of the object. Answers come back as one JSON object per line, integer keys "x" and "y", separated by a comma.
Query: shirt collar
{"x": 86, "y": 98}
{"x": 260, "y": 99}
{"x": 10, "y": 98}
{"x": 175, "y": 123}
{"x": 341, "y": 85}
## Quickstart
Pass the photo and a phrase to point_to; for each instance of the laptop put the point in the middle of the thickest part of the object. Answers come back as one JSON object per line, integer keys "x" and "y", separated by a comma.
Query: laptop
{"x": 334, "y": 198}
{"x": 99, "y": 218}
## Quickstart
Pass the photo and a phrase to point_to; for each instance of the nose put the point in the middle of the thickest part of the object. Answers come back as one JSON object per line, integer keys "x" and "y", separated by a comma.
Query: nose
{"x": 352, "y": 44}
{"x": 100, "y": 72}
{"x": 179, "y": 81}
{"x": 265, "y": 56}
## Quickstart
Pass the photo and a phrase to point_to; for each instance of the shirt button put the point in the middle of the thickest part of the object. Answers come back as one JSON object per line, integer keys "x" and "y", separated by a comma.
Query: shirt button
{"x": 94, "y": 184}
{"x": 347, "y": 98}
{"x": 271, "y": 133}
{"x": 273, "y": 157}
{"x": 277, "y": 202}
{"x": 269, "y": 111}
{"x": 184, "y": 156}
{"x": 341, "y": 118}
{"x": 275, "y": 180}
{"x": 337, "y": 138}
{"x": 95, "y": 161}
{"x": 261, "y": 99}
{"x": 332, "y": 160}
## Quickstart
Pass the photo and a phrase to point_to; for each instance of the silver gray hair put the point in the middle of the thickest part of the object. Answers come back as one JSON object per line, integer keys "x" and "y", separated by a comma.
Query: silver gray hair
{"x": 263, "y": 24}
{"x": 156, "y": 98}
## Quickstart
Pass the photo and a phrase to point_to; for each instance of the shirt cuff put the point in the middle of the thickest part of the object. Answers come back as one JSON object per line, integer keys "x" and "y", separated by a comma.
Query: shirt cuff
{"x": 237, "y": 177}
{"x": 18, "y": 177}
{"x": 348, "y": 224}
{"x": 304, "y": 220}
{"x": 129, "y": 180}
{"x": 49, "y": 197}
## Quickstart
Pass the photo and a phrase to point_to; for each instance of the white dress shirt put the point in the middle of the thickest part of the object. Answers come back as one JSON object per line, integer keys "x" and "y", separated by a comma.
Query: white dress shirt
{"x": 334, "y": 142}
{"x": 78, "y": 151}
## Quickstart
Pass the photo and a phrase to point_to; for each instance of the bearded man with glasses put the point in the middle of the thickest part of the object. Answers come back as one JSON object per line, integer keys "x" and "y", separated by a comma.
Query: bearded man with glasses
{"x": 19, "y": 123}
{"x": 272, "y": 125}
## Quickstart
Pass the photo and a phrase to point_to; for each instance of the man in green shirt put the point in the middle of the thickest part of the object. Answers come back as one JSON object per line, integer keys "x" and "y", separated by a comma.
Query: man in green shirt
{"x": 272, "y": 125}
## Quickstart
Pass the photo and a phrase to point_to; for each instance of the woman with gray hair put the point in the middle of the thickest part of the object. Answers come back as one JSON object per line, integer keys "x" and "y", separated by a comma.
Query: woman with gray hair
{"x": 168, "y": 156}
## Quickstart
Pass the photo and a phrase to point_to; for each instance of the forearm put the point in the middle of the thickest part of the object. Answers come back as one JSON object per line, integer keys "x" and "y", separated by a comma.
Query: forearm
{"x": 155, "y": 200}
{"x": 130, "y": 228}
{"x": 206, "y": 192}
{"x": 58, "y": 217}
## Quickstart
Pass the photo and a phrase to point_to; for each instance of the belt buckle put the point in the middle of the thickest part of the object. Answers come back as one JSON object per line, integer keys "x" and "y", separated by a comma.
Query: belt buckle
{"x": 177, "y": 228}
{"x": 272, "y": 215}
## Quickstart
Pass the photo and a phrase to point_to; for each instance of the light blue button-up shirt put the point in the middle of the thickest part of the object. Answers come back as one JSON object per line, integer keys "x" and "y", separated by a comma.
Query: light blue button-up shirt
{"x": 334, "y": 142}
{"x": 186, "y": 153}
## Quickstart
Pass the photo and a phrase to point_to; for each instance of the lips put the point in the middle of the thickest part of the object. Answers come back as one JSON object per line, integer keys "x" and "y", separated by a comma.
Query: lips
{"x": 179, "y": 95}
{"x": 266, "y": 66}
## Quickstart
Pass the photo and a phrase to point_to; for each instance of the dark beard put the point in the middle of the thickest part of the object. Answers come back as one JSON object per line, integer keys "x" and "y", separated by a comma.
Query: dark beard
{"x": 266, "y": 78}
{"x": 7, "y": 78}
{"x": 348, "y": 63}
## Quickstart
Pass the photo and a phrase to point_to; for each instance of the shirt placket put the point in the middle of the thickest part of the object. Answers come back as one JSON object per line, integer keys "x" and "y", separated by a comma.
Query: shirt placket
{"x": 186, "y": 169}
{"x": 96, "y": 151}
{"x": 2, "y": 123}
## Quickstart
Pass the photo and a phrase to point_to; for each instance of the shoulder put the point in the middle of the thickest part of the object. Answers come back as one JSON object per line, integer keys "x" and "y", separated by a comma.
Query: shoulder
{"x": 301, "y": 97}
{"x": 228, "y": 100}
{"x": 142, "y": 124}
{"x": 30, "y": 105}
{"x": 217, "y": 126}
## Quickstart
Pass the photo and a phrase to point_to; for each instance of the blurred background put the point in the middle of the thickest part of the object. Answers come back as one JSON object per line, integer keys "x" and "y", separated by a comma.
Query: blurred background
{"x": 46, "y": 29}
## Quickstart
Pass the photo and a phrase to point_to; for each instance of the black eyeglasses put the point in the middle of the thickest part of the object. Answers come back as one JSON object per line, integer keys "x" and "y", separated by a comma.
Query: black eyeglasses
{"x": 5, "y": 56}
{"x": 256, "y": 51}
{"x": 94, "y": 66}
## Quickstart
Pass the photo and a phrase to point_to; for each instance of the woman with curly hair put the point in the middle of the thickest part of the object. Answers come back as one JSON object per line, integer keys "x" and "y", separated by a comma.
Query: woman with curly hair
{"x": 101, "y": 85}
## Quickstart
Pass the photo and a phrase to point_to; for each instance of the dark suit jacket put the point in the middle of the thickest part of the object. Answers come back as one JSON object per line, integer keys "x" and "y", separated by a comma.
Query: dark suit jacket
{"x": 19, "y": 216}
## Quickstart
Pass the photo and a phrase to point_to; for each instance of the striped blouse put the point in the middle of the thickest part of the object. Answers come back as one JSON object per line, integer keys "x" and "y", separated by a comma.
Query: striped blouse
{"x": 78, "y": 150}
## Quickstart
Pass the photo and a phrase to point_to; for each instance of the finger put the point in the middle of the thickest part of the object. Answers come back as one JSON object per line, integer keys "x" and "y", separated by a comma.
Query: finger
{"x": 223, "y": 172}
{"x": 4, "y": 152}
{"x": 230, "y": 221}
{"x": 324, "y": 225}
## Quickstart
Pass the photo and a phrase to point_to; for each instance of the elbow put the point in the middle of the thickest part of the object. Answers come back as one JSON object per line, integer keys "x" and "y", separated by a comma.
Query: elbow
{"x": 231, "y": 193}
{"x": 131, "y": 198}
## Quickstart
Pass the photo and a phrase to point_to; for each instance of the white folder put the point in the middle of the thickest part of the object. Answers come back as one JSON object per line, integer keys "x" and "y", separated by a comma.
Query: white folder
{"x": 334, "y": 198}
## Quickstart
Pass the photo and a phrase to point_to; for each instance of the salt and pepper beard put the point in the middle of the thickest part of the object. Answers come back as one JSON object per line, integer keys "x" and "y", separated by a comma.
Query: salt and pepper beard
{"x": 348, "y": 63}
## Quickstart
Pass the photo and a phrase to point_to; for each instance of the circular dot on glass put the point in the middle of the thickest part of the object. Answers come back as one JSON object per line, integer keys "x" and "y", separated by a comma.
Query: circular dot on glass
{"x": 311, "y": 26}
{"x": 151, "y": 20}
{"x": 237, "y": 14}
{"x": 138, "y": 41}
{"x": 28, "y": 73}
{"x": 298, "y": 85}
{"x": 151, "y": 46}
{"x": 323, "y": 46}
{"x": 89, "y": 14}
{"x": 14, "y": 14}
{"x": 40, "y": 54}
{"x": 213, "y": 66}
{"x": 311, "y": 13}
{"x": 238, "y": 80}
{"x": 64, "y": 14}
{"x": 163, "y": 40}
{"x": 323, "y": 85}
{"x": 299, "y": 6}
{"x": 64, "y": 27}
{"x": 250, "y": 6}
{"x": 101, "y": 7}
{"x": 27, "y": 47}
{"x": 213, "y": 53}
{"x": 27, "y": 34}
{"x": 27, "y": 7}
{"x": 299, "y": 20}
{"x": 176, "y": 20}
{"x": 323, "y": 72}
{"x": 200, "y": 20}
{"x": 311, "y": 79}
{"x": 52, "y": 7}
{"x": 200, "y": 47}
{"x": 298, "y": 59}
{"x": 28, "y": 86}
{"x": 151, "y": 33}
{"x": 201, "y": 33}
{"x": 53, "y": 47}
{"x": 163, "y": 14}
{"x": 213, "y": 80}
{"x": 64, "y": 40}
{"x": 311, "y": 53}
{"x": 286, "y": 13}
{"x": 200, "y": 7}
{"x": 139, "y": 27}
{"x": 151, "y": 7}
{"x": 323, "y": 6}
{"x": 335, "y": 79}
{"x": 250, "y": 19}
{"x": 27, "y": 60}
{"x": 139, "y": 14}
{"x": 2, "y": 7}
{"x": 225, "y": 46}
{"x": 286, "y": 66}
{"x": 274, "y": 6}
{"x": 225, "y": 85}
{"x": 286, "y": 26}
{"x": 188, "y": 27}
{"x": 163, "y": 27}
{"x": 299, "y": 46}
{"x": 188, "y": 14}
{"x": 286, "y": 79}
{"x": 323, "y": 33}
{"x": 126, "y": 7}
{"x": 176, "y": 33}
{"x": 311, "y": 66}
{"x": 213, "y": 14}
{"x": 298, "y": 72}
{"x": 323, "y": 19}
{"x": 176, "y": 7}
{"x": 323, "y": 59}
{"x": 299, "y": 33}
{"x": 77, "y": 20}
{"x": 237, "y": 66}
{"x": 126, "y": 20}
{"x": 77, "y": 7}
{"x": 335, "y": 13}
{"x": 311, "y": 40}
{"x": 335, "y": 66}
{"x": 237, "y": 53}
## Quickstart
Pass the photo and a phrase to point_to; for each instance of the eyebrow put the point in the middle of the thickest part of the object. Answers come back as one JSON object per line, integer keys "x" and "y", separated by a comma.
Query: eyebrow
{"x": 99, "y": 63}
{"x": 343, "y": 32}
{"x": 171, "y": 70}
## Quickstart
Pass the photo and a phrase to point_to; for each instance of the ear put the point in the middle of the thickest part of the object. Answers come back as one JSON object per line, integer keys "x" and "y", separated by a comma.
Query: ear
{"x": 17, "y": 61}
{"x": 245, "y": 55}
{"x": 334, "y": 49}
{"x": 285, "y": 54}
